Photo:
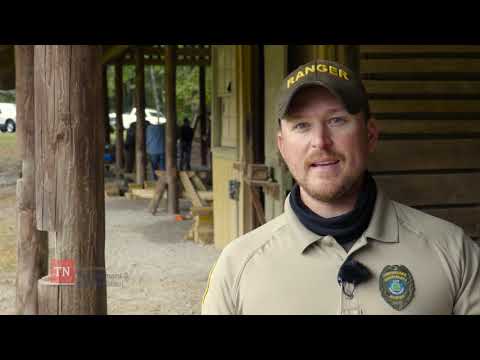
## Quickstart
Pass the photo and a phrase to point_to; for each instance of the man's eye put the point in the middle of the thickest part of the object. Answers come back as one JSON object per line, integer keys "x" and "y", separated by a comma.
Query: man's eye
{"x": 337, "y": 121}
{"x": 301, "y": 126}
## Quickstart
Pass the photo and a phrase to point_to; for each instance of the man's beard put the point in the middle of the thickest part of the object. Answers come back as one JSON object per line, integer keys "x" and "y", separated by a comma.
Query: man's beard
{"x": 332, "y": 192}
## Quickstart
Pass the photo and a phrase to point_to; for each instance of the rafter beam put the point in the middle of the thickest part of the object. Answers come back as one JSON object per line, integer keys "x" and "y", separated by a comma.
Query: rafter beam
{"x": 114, "y": 52}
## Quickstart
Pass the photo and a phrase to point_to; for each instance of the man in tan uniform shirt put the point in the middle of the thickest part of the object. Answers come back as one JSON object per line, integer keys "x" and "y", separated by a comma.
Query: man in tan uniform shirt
{"x": 341, "y": 246}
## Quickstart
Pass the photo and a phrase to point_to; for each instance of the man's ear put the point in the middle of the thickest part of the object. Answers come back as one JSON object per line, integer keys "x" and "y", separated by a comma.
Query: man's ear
{"x": 373, "y": 134}
{"x": 280, "y": 140}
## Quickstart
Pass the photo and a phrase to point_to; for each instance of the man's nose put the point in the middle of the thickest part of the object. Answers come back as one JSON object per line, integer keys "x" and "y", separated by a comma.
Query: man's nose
{"x": 321, "y": 137}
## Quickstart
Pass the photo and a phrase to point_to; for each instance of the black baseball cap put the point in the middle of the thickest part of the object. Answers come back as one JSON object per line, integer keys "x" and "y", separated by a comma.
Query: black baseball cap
{"x": 337, "y": 78}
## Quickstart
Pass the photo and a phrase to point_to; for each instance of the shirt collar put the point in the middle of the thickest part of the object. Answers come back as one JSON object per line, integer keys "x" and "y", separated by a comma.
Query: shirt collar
{"x": 301, "y": 235}
{"x": 383, "y": 225}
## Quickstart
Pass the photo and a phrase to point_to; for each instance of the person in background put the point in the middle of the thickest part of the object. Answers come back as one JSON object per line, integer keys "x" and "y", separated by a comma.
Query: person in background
{"x": 155, "y": 142}
{"x": 186, "y": 138}
{"x": 130, "y": 148}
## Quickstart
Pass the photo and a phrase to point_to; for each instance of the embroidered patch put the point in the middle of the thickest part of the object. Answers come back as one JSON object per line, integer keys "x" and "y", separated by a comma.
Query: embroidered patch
{"x": 397, "y": 286}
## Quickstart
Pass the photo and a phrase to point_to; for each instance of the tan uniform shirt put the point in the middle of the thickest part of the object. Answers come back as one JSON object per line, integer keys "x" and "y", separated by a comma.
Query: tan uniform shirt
{"x": 283, "y": 268}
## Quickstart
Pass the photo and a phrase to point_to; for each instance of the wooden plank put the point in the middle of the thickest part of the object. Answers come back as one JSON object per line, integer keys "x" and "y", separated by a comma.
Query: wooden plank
{"x": 45, "y": 179}
{"x": 25, "y": 126}
{"x": 198, "y": 182}
{"x": 467, "y": 218}
{"x": 412, "y": 49}
{"x": 259, "y": 172}
{"x": 420, "y": 65}
{"x": 387, "y": 87}
{"x": 143, "y": 193}
{"x": 63, "y": 130}
{"x": 32, "y": 255}
{"x": 427, "y": 190}
{"x": 419, "y": 127}
{"x": 404, "y": 155}
{"x": 202, "y": 211}
{"x": 191, "y": 192}
{"x": 32, "y": 245}
{"x": 259, "y": 212}
{"x": 182, "y": 51}
{"x": 419, "y": 106}
{"x": 181, "y": 62}
{"x": 205, "y": 195}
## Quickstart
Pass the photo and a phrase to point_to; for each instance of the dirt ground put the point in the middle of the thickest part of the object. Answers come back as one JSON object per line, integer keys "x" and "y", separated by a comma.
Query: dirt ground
{"x": 151, "y": 269}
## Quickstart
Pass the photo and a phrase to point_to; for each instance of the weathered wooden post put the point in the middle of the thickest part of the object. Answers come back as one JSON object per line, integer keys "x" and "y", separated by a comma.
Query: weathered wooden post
{"x": 140, "y": 105}
{"x": 203, "y": 116}
{"x": 171, "y": 130}
{"x": 119, "y": 154}
{"x": 69, "y": 179}
{"x": 32, "y": 245}
{"x": 106, "y": 117}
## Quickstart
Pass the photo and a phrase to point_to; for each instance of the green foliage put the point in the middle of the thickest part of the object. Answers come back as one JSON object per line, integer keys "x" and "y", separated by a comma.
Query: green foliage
{"x": 7, "y": 96}
{"x": 187, "y": 89}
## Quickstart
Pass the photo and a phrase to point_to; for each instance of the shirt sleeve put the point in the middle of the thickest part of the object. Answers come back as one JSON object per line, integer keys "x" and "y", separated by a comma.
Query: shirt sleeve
{"x": 218, "y": 296}
{"x": 468, "y": 297}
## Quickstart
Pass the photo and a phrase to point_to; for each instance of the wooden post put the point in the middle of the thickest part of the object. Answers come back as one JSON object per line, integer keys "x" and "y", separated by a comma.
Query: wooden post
{"x": 119, "y": 158}
{"x": 203, "y": 116}
{"x": 106, "y": 118}
{"x": 140, "y": 105}
{"x": 32, "y": 245}
{"x": 69, "y": 143}
{"x": 171, "y": 148}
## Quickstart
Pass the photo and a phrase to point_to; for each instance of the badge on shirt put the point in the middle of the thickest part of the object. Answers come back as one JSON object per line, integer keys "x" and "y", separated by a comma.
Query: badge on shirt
{"x": 397, "y": 286}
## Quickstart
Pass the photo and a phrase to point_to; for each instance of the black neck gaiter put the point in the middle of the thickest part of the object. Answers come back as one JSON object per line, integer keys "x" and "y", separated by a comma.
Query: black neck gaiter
{"x": 344, "y": 228}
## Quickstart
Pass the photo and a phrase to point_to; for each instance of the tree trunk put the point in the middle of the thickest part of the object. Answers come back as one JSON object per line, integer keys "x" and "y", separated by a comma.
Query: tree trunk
{"x": 171, "y": 148}
{"x": 32, "y": 245}
{"x": 156, "y": 97}
{"x": 69, "y": 143}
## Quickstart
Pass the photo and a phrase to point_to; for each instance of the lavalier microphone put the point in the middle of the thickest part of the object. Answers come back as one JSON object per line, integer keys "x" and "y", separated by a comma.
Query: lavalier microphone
{"x": 354, "y": 273}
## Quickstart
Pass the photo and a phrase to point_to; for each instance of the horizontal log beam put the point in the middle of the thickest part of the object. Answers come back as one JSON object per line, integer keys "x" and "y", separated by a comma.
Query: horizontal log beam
{"x": 114, "y": 52}
{"x": 412, "y": 49}
{"x": 203, "y": 62}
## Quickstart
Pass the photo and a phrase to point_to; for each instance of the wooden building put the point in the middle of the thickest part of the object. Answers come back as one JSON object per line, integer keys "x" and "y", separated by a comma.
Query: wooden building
{"x": 426, "y": 99}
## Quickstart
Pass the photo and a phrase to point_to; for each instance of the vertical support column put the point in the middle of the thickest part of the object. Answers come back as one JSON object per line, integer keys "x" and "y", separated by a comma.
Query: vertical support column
{"x": 32, "y": 245}
{"x": 140, "y": 105}
{"x": 119, "y": 154}
{"x": 171, "y": 148}
{"x": 203, "y": 116}
{"x": 69, "y": 143}
{"x": 106, "y": 104}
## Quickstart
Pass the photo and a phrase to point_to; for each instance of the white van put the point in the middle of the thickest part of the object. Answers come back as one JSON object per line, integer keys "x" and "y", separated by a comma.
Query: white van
{"x": 8, "y": 117}
{"x": 151, "y": 116}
